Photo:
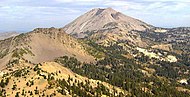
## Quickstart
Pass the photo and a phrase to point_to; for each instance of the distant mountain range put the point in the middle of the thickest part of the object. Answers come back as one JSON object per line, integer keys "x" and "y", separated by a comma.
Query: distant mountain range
{"x": 102, "y": 53}
{"x": 4, "y": 35}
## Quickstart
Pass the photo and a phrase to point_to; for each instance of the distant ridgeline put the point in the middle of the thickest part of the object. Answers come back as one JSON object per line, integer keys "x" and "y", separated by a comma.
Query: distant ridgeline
{"x": 101, "y": 53}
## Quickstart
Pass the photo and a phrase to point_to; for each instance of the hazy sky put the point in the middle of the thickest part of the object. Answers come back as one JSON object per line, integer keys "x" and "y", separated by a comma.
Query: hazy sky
{"x": 25, "y": 15}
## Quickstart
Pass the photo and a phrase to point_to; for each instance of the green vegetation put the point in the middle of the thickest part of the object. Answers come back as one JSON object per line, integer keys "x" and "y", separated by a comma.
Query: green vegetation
{"x": 30, "y": 83}
{"x": 14, "y": 87}
{"x": 3, "y": 53}
{"x": 20, "y": 72}
{"x": 4, "y": 82}
{"x": 126, "y": 73}
{"x": 83, "y": 89}
{"x": 140, "y": 76}
{"x": 12, "y": 63}
{"x": 94, "y": 49}
{"x": 18, "y": 53}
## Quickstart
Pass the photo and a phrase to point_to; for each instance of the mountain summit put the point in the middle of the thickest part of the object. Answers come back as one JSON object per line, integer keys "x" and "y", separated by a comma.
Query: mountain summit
{"x": 40, "y": 45}
{"x": 102, "y": 19}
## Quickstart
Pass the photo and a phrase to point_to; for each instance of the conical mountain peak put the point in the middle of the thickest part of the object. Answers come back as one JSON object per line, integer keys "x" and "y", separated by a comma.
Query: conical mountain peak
{"x": 102, "y": 19}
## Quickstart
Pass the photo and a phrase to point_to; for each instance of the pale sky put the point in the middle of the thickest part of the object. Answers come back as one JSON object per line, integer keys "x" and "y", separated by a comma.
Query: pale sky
{"x": 25, "y": 15}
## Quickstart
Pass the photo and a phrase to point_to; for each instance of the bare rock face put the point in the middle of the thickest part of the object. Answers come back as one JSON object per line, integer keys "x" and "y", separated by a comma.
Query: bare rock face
{"x": 102, "y": 19}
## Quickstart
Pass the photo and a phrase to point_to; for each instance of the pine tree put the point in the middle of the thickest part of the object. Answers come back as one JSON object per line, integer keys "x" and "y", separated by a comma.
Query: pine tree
{"x": 31, "y": 93}
{"x": 17, "y": 94}
{"x": 22, "y": 92}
